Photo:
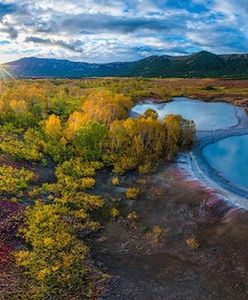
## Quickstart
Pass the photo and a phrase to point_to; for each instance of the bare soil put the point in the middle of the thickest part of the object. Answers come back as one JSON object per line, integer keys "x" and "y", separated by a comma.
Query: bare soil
{"x": 148, "y": 265}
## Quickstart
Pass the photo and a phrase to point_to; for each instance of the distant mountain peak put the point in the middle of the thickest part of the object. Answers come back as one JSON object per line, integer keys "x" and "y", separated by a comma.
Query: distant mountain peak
{"x": 200, "y": 64}
{"x": 204, "y": 52}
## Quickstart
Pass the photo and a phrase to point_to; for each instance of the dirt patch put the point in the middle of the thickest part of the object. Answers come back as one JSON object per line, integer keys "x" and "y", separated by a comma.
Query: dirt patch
{"x": 148, "y": 263}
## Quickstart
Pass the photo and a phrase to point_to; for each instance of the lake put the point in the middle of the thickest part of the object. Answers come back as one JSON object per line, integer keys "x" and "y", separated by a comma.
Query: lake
{"x": 229, "y": 157}
{"x": 207, "y": 116}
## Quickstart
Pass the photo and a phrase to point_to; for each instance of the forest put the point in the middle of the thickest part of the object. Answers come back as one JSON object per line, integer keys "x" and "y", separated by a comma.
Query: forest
{"x": 55, "y": 136}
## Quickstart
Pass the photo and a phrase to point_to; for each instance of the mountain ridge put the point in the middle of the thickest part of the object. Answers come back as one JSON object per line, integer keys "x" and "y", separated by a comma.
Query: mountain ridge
{"x": 201, "y": 64}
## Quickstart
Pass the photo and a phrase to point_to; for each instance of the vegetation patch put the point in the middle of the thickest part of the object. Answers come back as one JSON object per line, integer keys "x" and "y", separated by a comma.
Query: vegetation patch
{"x": 12, "y": 180}
{"x": 132, "y": 193}
{"x": 73, "y": 129}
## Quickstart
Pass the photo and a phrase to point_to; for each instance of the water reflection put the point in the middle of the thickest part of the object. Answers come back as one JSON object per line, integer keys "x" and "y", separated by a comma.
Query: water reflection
{"x": 229, "y": 156}
{"x": 207, "y": 116}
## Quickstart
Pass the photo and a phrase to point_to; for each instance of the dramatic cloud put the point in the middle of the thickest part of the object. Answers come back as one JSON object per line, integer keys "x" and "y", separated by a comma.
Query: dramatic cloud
{"x": 107, "y": 30}
{"x": 74, "y": 46}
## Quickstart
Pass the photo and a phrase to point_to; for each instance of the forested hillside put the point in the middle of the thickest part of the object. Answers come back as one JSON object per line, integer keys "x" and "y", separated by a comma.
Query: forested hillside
{"x": 201, "y": 64}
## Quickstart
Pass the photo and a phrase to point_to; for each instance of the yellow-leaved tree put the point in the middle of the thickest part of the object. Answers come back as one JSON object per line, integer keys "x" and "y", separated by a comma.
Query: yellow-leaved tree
{"x": 56, "y": 259}
{"x": 53, "y": 127}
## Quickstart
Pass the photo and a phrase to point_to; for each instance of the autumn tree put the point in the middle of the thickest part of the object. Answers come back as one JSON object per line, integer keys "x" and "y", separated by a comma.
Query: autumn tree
{"x": 74, "y": 123}
{"x": 105, "y": 107}
{"x": 88, "y": 140}
{"x": 134, "y": 142}
{"x": 53, "y": 127}
{"x": 56, "y": 258}
{"x": 74, "y": 128}
{"x": 173, "y": 125}
{"x": 150, "y": 113}
{"x": 18, "y": 106}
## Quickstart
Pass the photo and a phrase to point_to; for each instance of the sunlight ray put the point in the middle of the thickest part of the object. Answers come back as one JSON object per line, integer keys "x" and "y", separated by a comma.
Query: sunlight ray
{"x": 4, "y": 71}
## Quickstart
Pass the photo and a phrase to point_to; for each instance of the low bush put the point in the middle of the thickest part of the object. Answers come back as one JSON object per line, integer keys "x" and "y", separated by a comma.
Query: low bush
{"x": 114, "y": 213}
{"x": 192, "y": 243}
{"x": 132, "y": 193}
{"x": 12, "y": 180}
{"x": 115, "y": 180}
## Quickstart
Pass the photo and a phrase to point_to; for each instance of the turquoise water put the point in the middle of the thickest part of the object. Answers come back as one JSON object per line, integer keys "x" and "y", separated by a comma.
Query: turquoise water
{"x": 207, "y": 116}
{"x": 229, "y": 157}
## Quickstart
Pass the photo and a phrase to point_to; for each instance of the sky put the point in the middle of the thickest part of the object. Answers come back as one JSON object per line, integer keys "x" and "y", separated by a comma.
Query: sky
{"x": 120, "y": 30}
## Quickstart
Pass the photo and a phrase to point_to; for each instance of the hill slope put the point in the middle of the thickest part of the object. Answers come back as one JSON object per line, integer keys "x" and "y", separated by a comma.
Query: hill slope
{"x": 201, "y": 64}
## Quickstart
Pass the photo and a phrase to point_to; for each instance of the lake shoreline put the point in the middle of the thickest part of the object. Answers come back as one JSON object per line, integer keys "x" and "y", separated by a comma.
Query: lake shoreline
{"x": 238, "y": 101}
{"x": 197, "y": 165}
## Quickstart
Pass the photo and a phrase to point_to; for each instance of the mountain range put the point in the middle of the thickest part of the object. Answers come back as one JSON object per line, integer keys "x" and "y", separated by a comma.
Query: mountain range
{"x": 201, "y": 64}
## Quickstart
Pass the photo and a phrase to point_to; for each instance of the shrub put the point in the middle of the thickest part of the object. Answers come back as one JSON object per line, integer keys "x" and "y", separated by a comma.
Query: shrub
{"x": 145, "y": 168}
{"x": 132, "y": 193}
{"x": 115, "y": 180}
{"x": 43, "y": 162}
{"x": 12, "y": 180}
{"x": 155, "y": 235}
{"x": 192, "y": 243}
{"x": 88, "y": 182}
{"x": 132, "y": 218}
{"x": 114, "y": 213}
{"x": 56, "y": 260}
{"x": 78, "y": 169}
{"x": 142, "y": 181}
{"x": 20, "y": 149}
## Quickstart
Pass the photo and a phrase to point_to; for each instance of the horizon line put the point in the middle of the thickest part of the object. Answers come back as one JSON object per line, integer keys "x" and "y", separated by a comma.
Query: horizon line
{"x": 124, "y": 61}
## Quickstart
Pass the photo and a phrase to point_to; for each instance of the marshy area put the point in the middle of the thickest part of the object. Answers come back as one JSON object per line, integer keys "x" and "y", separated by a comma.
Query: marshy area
{"x": 96, "y": 205}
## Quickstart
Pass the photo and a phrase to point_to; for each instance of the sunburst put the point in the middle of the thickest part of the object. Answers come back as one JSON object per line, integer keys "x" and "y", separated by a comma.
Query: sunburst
{"x": 5, "y": 75}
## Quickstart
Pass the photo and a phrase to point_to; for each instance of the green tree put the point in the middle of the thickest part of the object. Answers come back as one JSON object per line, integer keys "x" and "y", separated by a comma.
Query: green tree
{"x": 88, "y": 140}
{"x": 150, "y": 113}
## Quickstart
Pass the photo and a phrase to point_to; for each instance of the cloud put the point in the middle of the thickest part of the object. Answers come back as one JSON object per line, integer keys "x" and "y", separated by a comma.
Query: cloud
{"x": 73, "y": 45}
{"x": 6, "y": 8}
{"x": 106, "y": 23}
{"x": 106, "y": 30}
{"x": 10, "y": 30}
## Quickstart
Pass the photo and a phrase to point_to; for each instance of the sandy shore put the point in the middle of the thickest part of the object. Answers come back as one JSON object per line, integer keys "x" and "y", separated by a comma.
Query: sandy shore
{"x": 199, "y": 168}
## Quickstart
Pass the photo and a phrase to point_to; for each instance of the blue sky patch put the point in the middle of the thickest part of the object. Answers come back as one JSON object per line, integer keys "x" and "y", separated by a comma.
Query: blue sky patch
{"x": 121, "y": 30}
